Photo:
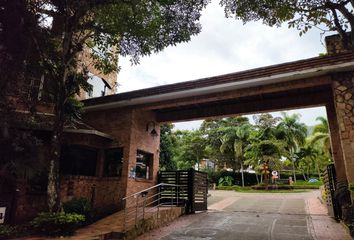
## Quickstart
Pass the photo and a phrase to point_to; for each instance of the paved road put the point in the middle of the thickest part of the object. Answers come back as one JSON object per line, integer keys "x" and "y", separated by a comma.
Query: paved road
{"x": 246, "y": 216}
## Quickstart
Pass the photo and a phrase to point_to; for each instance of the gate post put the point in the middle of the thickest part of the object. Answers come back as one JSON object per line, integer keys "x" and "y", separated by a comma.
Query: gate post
{"x": 190, "y": 207}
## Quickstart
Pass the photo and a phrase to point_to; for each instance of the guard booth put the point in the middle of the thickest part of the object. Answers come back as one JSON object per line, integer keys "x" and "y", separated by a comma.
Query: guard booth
{"x": 191, "y": 192}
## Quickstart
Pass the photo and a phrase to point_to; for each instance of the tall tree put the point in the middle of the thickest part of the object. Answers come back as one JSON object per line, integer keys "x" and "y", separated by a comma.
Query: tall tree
{"x": 105, "y": 28}
{"x": 235, "y": 139}
{"x": 191, "y": 146}
{"x": 167, "y": 143}
{"x": 265, "y": 149}
{"x": 321, "y": 135}
{"x": 307, "y": 156}
{"x": 210, "y": 128}
{"x": 327, "y": 15}
{"x": 294, "y": 135}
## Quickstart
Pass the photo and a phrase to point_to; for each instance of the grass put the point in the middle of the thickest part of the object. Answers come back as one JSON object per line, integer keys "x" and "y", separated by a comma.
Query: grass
{"x": 300, "y": 184}
{"x": 250, "y": 190}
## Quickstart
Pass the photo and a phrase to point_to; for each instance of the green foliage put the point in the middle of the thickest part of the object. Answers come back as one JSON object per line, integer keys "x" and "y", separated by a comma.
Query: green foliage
{"x": 232, "y": 141}
{"x": 302, "y": 15}
{"x": 225, "y": 181}
{"x": 233, "y": 188}
{"x": 167, "y": 147}
{"x": 7, "y": 231}
{"x": 80, "y": 206}
{"x": 190, "y": 148}
{"x": 282, "y": 189}
{"x": 103, "y": 29}
{"x": 249, "y": 178}
{"x": 56, "y": 224}
{"x": 272, "y": 187}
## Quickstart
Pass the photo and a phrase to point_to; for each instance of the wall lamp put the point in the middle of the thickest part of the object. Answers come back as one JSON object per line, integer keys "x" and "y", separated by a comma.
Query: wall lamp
{"x": 152, "y": 125}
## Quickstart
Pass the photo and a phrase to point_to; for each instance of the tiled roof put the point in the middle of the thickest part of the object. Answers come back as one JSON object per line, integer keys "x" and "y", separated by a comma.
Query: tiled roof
{"x": 289, "y": 67}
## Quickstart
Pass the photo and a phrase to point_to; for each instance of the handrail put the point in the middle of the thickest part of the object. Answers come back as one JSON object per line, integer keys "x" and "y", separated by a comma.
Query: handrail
{"x": 147, "y": 203}
{"x": 147, "y": 189}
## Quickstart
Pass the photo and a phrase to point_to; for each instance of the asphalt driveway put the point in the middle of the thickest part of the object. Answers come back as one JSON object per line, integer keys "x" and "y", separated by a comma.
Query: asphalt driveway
{"x": 251, "y": 216}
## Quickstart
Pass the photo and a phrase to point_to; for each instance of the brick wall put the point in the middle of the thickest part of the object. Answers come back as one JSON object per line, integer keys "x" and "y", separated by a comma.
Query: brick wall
{"x": 128, "y": 127}
{"x": 26, "y": 204}
{"x": 142, "y": 140}
{"x": 104, "y": 193}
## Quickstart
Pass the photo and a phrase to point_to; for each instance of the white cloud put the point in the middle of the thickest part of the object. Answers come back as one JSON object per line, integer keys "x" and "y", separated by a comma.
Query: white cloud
{"x": 223, "y": 46}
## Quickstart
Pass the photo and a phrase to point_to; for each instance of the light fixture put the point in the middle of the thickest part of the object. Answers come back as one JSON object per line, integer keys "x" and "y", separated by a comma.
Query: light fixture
{"x": 152, "y": 125}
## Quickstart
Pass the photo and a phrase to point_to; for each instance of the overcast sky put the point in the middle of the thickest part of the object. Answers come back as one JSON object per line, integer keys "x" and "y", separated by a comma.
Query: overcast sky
{"x": 223, "y": 46}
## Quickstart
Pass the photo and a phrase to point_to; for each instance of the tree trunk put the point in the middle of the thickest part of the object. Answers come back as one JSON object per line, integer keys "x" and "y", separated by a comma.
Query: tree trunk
{"x": 318, "y": 170}
{"x": 257, "y": 179}
{"x": 294, "y": 172}
{"x": 242, "y": 176}
{"x": 53, "y": 194}
{"x": 53, "y": 174}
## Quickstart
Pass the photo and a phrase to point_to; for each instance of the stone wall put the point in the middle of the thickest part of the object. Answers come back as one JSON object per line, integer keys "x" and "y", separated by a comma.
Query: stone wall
{"x": 343, "y": 87}
{"x": 334, "y": 44}
{"x": 165, "y": 217}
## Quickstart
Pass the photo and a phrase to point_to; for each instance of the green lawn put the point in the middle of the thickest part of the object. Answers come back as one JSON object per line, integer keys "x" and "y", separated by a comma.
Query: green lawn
{"x": 300, "y": 184}
{"x": 250, "y": 190}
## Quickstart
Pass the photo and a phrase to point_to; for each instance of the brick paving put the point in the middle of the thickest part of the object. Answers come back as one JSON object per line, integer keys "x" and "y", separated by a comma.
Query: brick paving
{"x": 106, "y": 226}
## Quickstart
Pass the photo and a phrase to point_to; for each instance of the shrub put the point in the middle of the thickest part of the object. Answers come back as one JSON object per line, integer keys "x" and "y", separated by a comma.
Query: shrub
{"x": 226, "y": 181}
{"x": 55, "y": 224}
{"x": 233, "y": 188}
{"x": 7, "y": 231}
{"x": 80, "y": 206}
{"x": 270, "y": 187}
{"x": 250, "y": 178}
{"x": 300, "y": 186}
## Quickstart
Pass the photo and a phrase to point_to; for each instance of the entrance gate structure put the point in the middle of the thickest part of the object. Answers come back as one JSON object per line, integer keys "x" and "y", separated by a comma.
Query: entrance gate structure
{"x": 320, "y": 81}
{"x": 329, "y": 179}
{"x": 191, "y": 190}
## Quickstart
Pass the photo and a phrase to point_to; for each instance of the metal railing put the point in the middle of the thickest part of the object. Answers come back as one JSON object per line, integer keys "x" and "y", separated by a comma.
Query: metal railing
{"x": 145, "y": 203}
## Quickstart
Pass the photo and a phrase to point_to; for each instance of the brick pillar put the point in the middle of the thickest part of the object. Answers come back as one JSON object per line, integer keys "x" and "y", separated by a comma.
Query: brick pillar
{"x": 343, "y": 88}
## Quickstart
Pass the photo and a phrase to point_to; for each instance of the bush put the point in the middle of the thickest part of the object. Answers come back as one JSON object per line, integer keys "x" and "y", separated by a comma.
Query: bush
{"x": 270, "y": 187}
{"x": 7, "y": 231}
{"x": 233, "y": 188}
{"x": 307, "y": 185}
{"x": 80, "y": 206}
{"x": 250, "y": 178}
{"x": 300, "y": 186}
{"x": 55, "y": 224}
{"x": 225, "y": 181}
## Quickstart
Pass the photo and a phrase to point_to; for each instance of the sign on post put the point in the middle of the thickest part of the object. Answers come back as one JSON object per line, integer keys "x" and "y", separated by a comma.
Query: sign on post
{"x": 2, "y": 214}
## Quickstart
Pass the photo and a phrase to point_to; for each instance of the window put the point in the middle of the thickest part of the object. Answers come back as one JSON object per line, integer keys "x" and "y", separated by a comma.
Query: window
{"x": 143, "y": 167}
{"x": 99, "y": 86}
{"x": 113, "y": 160}
{"x": 78, "y": 160}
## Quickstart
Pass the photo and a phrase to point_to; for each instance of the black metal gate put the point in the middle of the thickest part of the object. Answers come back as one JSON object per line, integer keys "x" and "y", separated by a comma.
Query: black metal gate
{"x": 329, "y": 179}
{"x": 192, "y": 191}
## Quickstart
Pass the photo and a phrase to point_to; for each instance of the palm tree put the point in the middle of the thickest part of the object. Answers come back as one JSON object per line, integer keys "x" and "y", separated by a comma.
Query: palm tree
{"x": 309, "y": 155}
{"x": 264, "y": 151}
{"x": 321, "y": 135}
{"x": 235, "y": 139}
{"x": 293, "y": 133}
